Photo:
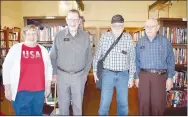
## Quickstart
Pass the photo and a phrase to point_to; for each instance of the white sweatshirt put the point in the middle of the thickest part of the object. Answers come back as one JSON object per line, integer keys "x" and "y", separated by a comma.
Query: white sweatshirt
{"x": 11, "y": 67}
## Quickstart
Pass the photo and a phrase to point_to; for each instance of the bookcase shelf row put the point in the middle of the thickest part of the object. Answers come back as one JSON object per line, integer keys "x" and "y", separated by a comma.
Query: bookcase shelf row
{"x": 180, "y": 89}
{"x": 175, "y": 29}
{"x": 9, "y": 36}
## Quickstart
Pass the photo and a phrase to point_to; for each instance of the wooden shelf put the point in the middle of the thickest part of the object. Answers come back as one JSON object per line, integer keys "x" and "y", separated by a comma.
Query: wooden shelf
{"x": 179, "y": 44}
{"x": 180, "y": 89}
{"x": 170, "y": 19}
{"x": 176, "y": 111}
{"x": 45, "y": 42}
{"x": 42, "y": 20}
{"x": 44, "y": 17}
{"x": 13, "y": 40}
{"x": 9, "y": 35}
{"x": 171, "y": 22}
{"x": 180, "y": 67}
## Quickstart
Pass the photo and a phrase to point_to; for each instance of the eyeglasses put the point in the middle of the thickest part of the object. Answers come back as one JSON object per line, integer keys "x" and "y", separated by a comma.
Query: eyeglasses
{"x": 73, "y": 20}
{"x": 29, "y": 34}
{"x": 117, "y": 26}
{"x": 149, "y": 27}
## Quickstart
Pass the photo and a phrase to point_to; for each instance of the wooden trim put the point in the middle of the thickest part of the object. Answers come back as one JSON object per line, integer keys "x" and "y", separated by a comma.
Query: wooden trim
{"x": 179, "y": 67}
{"x": 171, "y": 19}
{"x": 90, "y": 27}
{"x": 157, "y": 3}
{"x": 180, "y": 89}
{"x": 44, "y": 17}
{"x": 179, "y": 44}
{"x": 45, "y": 42}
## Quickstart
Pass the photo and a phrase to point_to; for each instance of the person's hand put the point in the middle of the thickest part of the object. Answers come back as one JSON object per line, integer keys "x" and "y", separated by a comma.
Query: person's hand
{"x": 8, "y": 92}
{"x": 130, "y": 83}
{"x": 95, "y": 77}
{"x": 169, "y": 84}
{"x": 137, "y": 82}
{"x": 54, "y": 79}
{"x": 48, "y": 89}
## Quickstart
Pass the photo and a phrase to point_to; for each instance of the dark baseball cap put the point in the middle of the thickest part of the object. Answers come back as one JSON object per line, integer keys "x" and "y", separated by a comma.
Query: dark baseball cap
{"x": 117, "y": 19}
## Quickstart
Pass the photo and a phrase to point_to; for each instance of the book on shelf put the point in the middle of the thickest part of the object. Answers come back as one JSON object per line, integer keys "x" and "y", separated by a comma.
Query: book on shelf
{"x": 176, "y": 99}
{"x": 3, "y": 48}
{"x": 48, "y": 33}
{"x": 3, "y": 53}
{"x": 11, "y": 43}
{"x": 2, "y": 35}
{"x": 180, "y": 55}
{"x": 138, "y": 35}
{"x": 12, "y": 36}
{"x": 180, "y": 79}
{"x": 3, "y": 44}
{"x": 175, "y": 35}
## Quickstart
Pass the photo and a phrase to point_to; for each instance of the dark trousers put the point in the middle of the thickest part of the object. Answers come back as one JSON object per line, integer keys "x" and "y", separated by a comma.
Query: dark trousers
{"x": 29, "y": 103}
{"x": 152, "y": 93}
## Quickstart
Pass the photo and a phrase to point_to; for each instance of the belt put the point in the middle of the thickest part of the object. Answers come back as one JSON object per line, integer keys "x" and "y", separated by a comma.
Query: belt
{"x": 70, "y": 72}
{"x": 160, "y": 72}
{"x": 113, "y": 71}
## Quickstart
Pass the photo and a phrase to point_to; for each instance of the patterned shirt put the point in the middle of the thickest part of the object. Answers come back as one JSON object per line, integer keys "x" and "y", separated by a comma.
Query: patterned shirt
{"x": 155, "y": 54}
{"x": 120, "y": 58}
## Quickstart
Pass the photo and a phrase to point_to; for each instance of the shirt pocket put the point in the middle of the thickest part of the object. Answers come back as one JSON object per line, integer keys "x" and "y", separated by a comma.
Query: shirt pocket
{"x": 143, "y": 51}
{"x": 63, "y": 47}
{"x": 123, "y": 51}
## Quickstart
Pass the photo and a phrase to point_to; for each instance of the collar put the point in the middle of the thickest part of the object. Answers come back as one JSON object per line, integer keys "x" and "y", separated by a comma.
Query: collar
{"x": 67, "y": 32}
{"x": 112, "y": 35}
{"x": 155, "y": 38}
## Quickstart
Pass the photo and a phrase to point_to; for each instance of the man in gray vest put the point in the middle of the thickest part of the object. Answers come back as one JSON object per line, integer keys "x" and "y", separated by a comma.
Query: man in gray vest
{"x": 71, "y": 60}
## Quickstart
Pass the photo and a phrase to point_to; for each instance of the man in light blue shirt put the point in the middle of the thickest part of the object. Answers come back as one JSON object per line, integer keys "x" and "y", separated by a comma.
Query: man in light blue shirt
{"x": 155, "y": 64}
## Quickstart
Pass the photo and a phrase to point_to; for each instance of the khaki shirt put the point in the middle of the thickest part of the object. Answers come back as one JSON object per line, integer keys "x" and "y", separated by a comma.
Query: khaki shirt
{"x": 70, "y": 53}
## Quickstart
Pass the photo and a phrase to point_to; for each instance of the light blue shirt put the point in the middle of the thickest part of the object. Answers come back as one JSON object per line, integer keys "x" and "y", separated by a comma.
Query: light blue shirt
{"x": 155, "y": 54}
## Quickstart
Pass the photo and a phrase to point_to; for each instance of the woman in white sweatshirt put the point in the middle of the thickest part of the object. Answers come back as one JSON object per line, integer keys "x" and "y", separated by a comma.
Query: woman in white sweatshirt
{"x": 27, "y": 74}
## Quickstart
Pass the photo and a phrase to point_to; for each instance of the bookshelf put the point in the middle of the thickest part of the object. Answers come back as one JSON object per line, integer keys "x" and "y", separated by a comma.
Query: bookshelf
{"x": 48, "y": 28}
{"x": 175, "y": 29}
{"x": 136, "y": 33}
{"x": 9, "y": 37}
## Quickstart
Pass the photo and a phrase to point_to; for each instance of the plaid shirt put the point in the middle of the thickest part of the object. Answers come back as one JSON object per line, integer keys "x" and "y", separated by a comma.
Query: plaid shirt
{"x": 120, "y": 58}
{"x": 157, "y": 54}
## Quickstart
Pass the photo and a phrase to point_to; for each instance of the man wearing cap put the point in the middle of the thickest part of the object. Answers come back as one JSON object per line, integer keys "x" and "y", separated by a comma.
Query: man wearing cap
{"x": 119, "y": 66}
{"x": 155, "y": 63}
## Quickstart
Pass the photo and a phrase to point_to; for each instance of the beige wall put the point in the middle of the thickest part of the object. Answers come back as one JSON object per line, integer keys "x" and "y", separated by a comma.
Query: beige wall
{"x": 39, "y": 8}
{"x": 96, "y": 13}
{"x": 178, "y": 9}
{"x": 100, "y": 13}
{"x": 11, "y": 15}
